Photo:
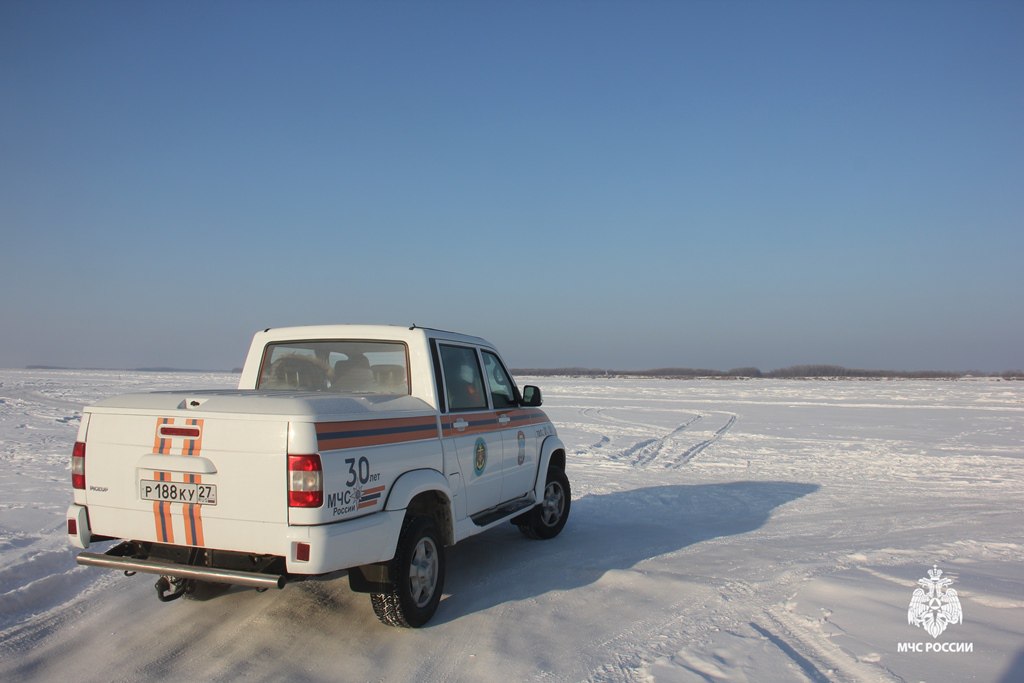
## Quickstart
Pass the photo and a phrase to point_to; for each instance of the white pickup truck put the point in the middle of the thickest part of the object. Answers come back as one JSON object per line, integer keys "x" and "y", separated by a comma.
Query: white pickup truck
{"x": 345, "y": 447}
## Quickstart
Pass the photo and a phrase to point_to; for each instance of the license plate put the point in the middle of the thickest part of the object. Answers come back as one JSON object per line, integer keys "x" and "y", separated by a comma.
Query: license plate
{"x": 178, "y": 492}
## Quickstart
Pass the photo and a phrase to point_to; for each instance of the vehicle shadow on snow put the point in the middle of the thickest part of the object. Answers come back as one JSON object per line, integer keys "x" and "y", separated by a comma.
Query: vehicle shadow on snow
{"x": 605, "y": 532}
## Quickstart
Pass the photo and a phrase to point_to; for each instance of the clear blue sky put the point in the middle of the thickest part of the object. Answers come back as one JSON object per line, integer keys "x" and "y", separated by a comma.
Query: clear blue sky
{"x": 602, "y": 184}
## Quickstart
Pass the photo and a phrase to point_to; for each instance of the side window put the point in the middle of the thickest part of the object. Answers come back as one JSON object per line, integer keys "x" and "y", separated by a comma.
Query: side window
{"x": 503, "y": 394}
{"x": 462, "y": 378}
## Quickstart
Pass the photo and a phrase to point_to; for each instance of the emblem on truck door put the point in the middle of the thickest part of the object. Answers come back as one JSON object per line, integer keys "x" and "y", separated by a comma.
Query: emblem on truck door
{"x": 480, "y": 459}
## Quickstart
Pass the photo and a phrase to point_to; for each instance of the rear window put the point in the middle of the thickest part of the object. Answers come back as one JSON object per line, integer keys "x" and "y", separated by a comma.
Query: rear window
{"x": 341, "y": 367}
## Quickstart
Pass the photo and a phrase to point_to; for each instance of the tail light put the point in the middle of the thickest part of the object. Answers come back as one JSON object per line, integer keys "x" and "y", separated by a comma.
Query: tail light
{"x": 78, "y": 465}
{"x": 305, "y": 481}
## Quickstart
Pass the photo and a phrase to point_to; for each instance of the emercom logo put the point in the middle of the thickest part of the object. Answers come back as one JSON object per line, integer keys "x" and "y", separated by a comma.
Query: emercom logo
{"x": 933, "y": 607}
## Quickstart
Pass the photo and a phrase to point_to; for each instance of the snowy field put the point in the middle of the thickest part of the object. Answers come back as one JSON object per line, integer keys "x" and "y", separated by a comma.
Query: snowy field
{"x": 761, "y": 530}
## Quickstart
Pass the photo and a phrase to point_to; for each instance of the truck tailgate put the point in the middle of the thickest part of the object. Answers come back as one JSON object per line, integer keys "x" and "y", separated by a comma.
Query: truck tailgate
{"x": 186, "y": 478}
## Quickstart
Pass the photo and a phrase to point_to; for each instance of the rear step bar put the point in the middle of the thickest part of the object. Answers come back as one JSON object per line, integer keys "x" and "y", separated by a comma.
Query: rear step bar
{"x": 179, "y": 571}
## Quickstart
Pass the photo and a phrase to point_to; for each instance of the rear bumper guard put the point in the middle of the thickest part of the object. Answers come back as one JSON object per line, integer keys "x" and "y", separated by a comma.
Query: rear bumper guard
{"x": 113, "y": 559}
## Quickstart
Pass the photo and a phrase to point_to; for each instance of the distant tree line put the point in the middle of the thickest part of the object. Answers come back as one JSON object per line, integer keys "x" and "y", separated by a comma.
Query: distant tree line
{"x": 153, "y": 369}
{"x": 792, "y": 372}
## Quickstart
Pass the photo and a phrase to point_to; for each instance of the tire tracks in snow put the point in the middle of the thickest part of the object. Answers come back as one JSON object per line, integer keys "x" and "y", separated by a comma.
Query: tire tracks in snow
{"x": 694, "y": 451}
{"x": 671, "y": 450}
{"x": 645, "y": 452}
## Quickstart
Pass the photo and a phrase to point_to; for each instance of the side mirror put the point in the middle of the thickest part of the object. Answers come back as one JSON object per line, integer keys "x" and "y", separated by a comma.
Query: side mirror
{"x": 531, "y": 396}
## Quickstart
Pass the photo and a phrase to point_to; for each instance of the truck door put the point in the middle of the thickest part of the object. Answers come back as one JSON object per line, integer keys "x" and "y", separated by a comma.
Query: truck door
{"x": 519, "y": 437}
{"x": 471, "y": 426}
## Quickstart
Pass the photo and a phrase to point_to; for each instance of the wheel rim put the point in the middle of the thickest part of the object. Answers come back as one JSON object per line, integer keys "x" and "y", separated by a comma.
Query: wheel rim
{"x": 553, "y": 505}
{"x": 423, "y": 571}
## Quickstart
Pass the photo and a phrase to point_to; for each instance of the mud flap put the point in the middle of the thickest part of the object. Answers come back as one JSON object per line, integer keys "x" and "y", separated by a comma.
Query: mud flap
{"x": 370, "y": 578}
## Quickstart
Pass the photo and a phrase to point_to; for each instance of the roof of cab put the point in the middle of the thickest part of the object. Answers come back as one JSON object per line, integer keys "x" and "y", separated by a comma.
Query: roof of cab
{"x": 366, "y": 332}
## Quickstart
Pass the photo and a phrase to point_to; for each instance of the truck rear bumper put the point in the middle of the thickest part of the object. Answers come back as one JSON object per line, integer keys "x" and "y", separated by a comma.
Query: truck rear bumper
{"x": 326, "y": 549}
{"x": 79, "y": 533}
{"x": 115, "y": 559}
{"x": 342, "y": 545}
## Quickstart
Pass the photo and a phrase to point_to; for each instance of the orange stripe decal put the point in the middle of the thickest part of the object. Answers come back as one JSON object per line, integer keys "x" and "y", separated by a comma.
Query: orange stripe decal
{"x": 161, "y": 510}
{"x": 162, "y": 444}
{"x": 487, "y": 421}
{"x": 158, "y": 519}
{"x": 193, "y": 513}
{"x": 360, "y": 433}
{"x": 162, "y": 515}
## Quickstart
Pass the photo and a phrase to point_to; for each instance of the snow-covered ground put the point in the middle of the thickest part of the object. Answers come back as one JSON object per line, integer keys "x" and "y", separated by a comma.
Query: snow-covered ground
{"x": 720, "y": 531}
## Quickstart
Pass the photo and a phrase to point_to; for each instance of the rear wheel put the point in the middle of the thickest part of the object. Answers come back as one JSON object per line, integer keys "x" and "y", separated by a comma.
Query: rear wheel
{"x": 548, "y": 518}
{"x": 416, "y": 577}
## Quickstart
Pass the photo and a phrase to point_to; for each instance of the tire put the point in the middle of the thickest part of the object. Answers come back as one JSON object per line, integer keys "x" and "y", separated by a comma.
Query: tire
{"x": 416, "y": 576}
{"x": 548, "y": 518}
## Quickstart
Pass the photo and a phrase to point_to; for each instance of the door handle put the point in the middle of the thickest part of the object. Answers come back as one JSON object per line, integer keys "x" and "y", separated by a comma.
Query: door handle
{"x": 504, "y": 419}
{"x": 460, "y": 424}
{"x": 176, "y": 463}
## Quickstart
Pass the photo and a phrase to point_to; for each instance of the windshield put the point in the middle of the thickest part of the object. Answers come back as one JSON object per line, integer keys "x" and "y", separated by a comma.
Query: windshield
{"x": 342, "y": 366}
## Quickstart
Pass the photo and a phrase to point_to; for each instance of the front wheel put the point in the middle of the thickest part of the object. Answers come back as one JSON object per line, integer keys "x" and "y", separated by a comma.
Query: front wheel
{"x": 416, "y": 576}
{"x": 547, "y": 518}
